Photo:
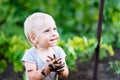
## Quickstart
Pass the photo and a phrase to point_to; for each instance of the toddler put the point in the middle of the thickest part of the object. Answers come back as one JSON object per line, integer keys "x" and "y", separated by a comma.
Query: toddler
{"x": 44, "y": 60}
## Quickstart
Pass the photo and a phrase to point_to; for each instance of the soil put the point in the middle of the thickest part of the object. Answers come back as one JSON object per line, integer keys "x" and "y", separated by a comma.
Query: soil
{"x": 84, "y": 70}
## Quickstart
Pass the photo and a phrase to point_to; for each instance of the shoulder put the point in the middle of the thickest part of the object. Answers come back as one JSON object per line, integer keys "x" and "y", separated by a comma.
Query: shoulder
{"x": 30, "y": 52}
{"x": 29, "y": 55}
{"x": 57, "y": 48}
{"x": 59, "y": 52}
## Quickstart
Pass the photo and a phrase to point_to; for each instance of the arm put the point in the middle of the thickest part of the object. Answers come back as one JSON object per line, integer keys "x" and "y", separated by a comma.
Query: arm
{"x": 33, "y": 73}
{"x": 64, "y": 73}
{"x": 59, "y": 65}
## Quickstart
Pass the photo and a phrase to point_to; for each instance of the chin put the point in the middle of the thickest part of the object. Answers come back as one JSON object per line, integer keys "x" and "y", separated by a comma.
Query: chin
{"x": 53, "y": 45}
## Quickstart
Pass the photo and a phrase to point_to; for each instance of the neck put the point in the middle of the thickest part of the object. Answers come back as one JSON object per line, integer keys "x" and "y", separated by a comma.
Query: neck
{"x": 44, "y": 49}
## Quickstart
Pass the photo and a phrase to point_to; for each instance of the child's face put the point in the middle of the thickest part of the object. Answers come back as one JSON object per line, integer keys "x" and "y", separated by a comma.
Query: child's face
{"x": 47, "y": 35}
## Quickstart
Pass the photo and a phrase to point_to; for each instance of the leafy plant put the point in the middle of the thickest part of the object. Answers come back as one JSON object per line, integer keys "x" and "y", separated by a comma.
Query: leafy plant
{"x": 83, "y": 14}
{"x": 83, "y": 49}
{"x": 12, "y": 50}
{"x": 115, "y": 67}
{"x": 3, "y": 66}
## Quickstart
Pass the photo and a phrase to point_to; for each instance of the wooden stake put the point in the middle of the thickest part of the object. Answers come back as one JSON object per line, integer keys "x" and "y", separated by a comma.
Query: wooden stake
{"x": 99, "y": 30}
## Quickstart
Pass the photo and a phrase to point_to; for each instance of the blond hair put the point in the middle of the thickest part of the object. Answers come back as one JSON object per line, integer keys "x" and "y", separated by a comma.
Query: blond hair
{"x": 34, "y": 20}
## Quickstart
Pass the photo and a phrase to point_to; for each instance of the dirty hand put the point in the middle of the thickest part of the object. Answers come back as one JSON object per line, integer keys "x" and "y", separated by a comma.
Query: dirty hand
{"x": 55, "y": 64}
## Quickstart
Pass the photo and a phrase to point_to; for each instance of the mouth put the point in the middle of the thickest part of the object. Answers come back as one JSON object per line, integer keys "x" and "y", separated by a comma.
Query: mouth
{"x": 54, "y": 39}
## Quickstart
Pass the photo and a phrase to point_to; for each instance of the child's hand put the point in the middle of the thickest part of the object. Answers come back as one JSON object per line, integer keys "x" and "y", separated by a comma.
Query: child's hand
{"x": 55, "y": 64}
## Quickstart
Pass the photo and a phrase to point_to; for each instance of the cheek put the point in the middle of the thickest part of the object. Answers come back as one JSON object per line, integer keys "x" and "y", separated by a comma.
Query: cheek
{"x": 58, "y": 35}
{"x": 44, "y": 39}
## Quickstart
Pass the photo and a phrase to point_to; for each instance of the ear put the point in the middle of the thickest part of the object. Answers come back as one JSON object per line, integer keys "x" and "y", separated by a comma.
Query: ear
{"x": 32, "y": 39}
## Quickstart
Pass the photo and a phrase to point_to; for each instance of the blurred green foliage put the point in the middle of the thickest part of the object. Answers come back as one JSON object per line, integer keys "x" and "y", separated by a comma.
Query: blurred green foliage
{"x": 73, "y": 18}
{"x": 11, "y": 51}
{"x": 114, "y": 67}
{"x": 83, "y": 49}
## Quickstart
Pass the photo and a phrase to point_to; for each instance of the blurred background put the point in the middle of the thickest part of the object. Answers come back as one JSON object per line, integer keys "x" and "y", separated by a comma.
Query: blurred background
{"x": 76, "y": 21}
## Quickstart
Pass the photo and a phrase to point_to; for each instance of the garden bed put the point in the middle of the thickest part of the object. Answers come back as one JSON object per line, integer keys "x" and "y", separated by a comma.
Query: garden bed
{"x": 84, "y": 70}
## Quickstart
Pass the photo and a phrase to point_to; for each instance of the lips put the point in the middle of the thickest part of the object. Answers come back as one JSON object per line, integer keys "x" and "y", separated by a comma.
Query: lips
{"x": 53, "y": 39}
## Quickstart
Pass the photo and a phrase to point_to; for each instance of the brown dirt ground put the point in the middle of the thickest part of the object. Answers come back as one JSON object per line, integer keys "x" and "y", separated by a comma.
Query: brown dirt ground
{"x": 84, "y": 71}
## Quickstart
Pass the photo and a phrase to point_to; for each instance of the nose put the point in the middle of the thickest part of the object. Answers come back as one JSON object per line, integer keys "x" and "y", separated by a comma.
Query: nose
{"x": 54, "y": 33}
